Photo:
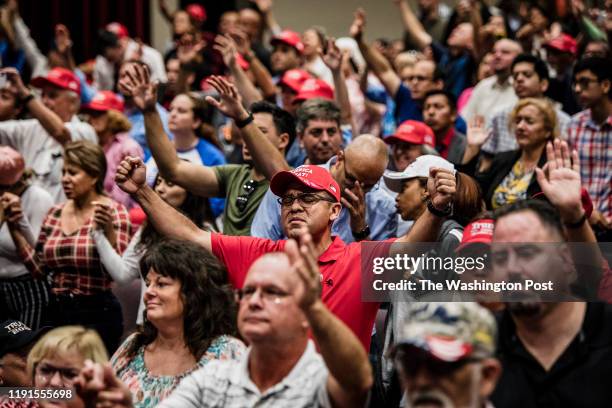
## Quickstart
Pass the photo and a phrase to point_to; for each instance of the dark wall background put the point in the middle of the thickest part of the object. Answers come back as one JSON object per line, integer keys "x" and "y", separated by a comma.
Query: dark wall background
{"x": 84, "y": 18}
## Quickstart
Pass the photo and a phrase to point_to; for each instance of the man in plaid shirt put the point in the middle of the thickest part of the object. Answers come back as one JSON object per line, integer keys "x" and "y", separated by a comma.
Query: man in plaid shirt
{"x": 590, "y": 132}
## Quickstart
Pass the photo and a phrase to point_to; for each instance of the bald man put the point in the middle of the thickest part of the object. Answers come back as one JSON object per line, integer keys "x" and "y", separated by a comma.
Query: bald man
{"x": 496, "y": 92}
{"x": 368, "y": 212}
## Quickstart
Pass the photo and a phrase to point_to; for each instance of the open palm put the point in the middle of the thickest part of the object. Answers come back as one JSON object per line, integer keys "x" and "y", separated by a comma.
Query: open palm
{"x": 562, "y": 185}
{"x": 136, "y": 84}
{"x": 477, "y": 133}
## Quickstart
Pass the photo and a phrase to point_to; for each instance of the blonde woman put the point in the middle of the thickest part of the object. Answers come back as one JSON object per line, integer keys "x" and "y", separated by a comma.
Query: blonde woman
{"x": 57, "y": 359}
{"x": 511, "y": 175}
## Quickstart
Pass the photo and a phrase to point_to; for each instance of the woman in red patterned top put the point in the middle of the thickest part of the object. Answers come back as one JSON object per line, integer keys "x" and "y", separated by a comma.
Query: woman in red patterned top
{"x": 66, "y": 254}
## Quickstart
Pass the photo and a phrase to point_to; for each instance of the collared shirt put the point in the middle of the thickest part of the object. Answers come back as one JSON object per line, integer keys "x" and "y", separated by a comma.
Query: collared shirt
{"x": 380, "y": 216}
{"x": 228, "y": 384}
{"x": 504, "y": 140}
{"x": 115, "y": 151}
{"x": 72, "y": 261}
{"x": 489, "y": 97}
{"x": 203, "y": 153}
{"x": 340, "y": 267}
{"x": 579, "y": 378}
{"x": 41, "y": 152}
{"x": 137, "y": 132}
{"x": 594, "y": 145}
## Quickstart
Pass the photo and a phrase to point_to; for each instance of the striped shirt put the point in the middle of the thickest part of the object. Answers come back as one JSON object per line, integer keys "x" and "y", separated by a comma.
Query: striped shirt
{"x": 594, "y": 145}
{"x": 71, "y": 261}
{"x": 228, "y": 384}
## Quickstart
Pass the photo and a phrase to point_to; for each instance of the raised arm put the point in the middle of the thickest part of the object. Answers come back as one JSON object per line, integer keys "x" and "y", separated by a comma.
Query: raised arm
{"x": 131, "y": 178}
{"x": 266, "y": 157}
{"x": 262, "y": 76}
{"x": 265, "y": 7}
{"x": 333, "y": 58}
{"x": 413, "y": 26}
{"x": 49, "y": 120}
{"x": 227, "y": 48}
{"x": 196, "y": 178}
{"x": 350, "y": 375}
{"x": 375, "y": 60}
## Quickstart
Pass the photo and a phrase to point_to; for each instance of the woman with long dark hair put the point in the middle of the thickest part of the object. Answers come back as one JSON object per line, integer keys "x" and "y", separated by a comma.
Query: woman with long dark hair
{"x": 189, "y": 320}
{"x": 126, "y": 268}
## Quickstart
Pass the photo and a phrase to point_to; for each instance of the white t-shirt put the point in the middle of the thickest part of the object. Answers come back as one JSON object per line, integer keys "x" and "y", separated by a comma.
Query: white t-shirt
{"x": 41, "y": 152}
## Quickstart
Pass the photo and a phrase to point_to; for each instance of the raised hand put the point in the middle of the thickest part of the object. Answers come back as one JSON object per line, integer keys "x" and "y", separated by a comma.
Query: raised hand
{"x": 14, "y": 79}
{"x": 62, "y": 39}
{"x": 442, "y": 186}
{"x": 354, "y": 201}
{"x": 131, "y": 175}
{"x": 265, "y": 6}
{"x": 304, "y": 262}
{"x": 358, "y": 25}
{"x": 477, "y": 133}
{"x": 560, "y": 179}
{"x": 227, "y": 48}
{"x": 333, "y": 56}
{"x": 137, "y": 85}
{"x": 189, "y": 48}
{"x": 231, "y": 102}
{"x": 242, "y": 42}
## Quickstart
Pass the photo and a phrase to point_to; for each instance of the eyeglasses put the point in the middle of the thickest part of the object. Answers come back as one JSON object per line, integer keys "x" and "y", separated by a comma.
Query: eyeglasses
{"x": 305, "y": 199}
{"x": 267, "y": 294}
{"x": 47, "y": 371}
{"x": 243, "y": 199}
{"x": 584, "y": 83}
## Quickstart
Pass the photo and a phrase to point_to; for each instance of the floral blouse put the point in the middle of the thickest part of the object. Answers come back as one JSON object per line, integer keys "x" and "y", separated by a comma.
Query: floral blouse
{"x": 149, "y": 390}
{"x": 513, "y": 187}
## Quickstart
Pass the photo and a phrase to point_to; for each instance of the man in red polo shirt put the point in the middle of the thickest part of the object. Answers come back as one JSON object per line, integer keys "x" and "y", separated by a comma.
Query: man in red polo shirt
{"x": 310, "y": 200}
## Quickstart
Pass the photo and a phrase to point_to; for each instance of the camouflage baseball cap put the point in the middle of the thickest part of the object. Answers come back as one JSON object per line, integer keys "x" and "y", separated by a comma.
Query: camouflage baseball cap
{"x": 450, "y": 331}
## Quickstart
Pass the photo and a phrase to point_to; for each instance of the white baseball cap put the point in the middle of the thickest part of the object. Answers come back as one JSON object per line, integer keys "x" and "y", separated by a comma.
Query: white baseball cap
{"x": 418, "y": 168}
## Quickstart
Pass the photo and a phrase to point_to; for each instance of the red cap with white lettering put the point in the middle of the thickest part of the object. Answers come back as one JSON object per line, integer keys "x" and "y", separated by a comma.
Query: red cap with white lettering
{"x": 313, "y": 177}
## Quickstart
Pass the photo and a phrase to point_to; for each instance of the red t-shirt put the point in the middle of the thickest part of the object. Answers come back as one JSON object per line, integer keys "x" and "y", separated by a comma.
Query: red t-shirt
{"x": 340, "y": 267}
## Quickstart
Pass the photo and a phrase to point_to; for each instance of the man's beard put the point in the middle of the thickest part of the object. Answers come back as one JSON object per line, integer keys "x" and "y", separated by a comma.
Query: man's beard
{"x": 430, "y": 398}
{"x": 525, "y": 309}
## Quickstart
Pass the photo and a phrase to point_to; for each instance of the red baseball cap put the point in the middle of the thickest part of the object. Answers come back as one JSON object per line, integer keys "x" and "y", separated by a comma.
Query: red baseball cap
{"x": 412, "y": 131}
{"x": 290, "y": 38}
{"x": 563, "y": 43}
{"x": 61, "y": 78}
{"x": 314, "y": 177}
{"x": 104, "y": 101}
{"x": 314, "y": 88}
{"x": 294, "y": 79}
{"x": 118, "y": 28}
{"x": 196, "y": 12}
{"x": 477, "y": 232}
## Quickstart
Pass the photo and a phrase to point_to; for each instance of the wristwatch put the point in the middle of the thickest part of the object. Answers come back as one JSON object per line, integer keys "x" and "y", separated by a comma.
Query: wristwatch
{"x": 440, "y": 213}
{"x": 242, "y": 123}
{"x": 363, "y": 234}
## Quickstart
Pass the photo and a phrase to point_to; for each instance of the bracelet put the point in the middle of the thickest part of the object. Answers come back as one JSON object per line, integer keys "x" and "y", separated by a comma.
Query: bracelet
{"x": 577, "y": 224}
{"x": 25, "y": 100}
{"x": 244, "y": 122}
{"x": 363, "y": 234}
{"x": 439, "y": 213}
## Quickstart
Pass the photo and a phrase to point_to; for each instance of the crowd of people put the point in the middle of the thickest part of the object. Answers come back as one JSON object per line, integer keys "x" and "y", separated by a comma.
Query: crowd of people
{"x": 188, "y": 226}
